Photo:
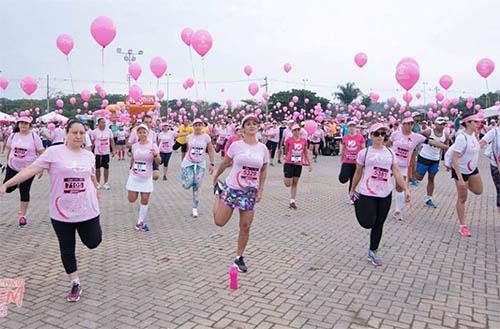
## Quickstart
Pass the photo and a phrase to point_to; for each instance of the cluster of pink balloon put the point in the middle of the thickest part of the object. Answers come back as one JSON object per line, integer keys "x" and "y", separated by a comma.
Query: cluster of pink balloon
{"x": 201, "y": 41}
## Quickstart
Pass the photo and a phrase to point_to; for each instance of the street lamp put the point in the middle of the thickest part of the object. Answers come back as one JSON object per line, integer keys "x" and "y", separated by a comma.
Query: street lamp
{"x": 168, "y": 75}
{"x": 129, "y": 57}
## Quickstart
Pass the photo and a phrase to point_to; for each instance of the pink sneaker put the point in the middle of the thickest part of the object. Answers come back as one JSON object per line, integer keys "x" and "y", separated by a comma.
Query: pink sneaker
{"x": 464, "y": 231}
{"x": 22, "y": 221}
{"x": 397, "y": 215}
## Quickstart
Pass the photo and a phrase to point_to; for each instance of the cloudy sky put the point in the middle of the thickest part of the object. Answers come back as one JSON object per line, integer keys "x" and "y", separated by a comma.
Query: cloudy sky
{"x": 319, "y": 38}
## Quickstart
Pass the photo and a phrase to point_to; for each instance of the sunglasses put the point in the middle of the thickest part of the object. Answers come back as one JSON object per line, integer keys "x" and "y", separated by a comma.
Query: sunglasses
{"x": 379, "y": 134}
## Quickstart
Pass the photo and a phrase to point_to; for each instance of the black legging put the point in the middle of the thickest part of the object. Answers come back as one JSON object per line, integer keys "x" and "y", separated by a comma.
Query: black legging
{"x": 347, "y": 171}
{"x": 495, "y": 174}
{"x": 24, "y": 187}
{"x": 90, "y": 234}
{"x": 371, "y": 213}
{"x": 271, "y": 146}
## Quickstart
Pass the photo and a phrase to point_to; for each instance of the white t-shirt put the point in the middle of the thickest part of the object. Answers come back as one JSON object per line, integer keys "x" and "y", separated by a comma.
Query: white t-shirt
{"x": 493, "y": 138}
{"x": 468, "y": 147}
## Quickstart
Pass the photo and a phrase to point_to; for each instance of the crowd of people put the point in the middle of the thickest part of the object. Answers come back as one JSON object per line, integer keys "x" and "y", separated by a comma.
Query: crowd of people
{"x": 78, "y": 162}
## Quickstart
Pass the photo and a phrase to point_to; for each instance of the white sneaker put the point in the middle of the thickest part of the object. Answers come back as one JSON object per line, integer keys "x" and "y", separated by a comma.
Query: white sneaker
{"x": 195, "y": 212}
{"x": 106, "y": 186}
{"x": 99, "y": 186}
{"x": 348, "y": 200}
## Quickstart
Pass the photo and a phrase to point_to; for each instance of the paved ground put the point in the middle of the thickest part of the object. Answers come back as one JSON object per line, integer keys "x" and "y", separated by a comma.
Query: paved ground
{"x": 307, "y": 268}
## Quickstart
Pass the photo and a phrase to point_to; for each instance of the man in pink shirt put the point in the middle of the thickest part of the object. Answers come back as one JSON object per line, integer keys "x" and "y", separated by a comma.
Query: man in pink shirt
{"x": 104, "y": 145}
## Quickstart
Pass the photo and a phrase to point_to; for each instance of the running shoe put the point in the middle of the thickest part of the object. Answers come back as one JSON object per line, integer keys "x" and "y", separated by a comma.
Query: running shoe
{"x": 75, "y": 293}
{"x": 397, "y": 215}
{"x": 218, "y": 189}
{"x": 464, "y": 231}
{"x": 372, "y": 257}
{"x": 430, "y": 204}
{"x": 22, "y": 221}
{"x": 164, "y": 177}
{"x": 139, "y": 225}
{"x": 145, "y": 227}
{"x": 240, "y": 264}
{"x": 106, "y": 186}
{"x": 292, "y": 205}
{"x": 413, "y": 182}
{"x": 348, "y": 200}
{"x": 279, "y": 161}
{"x": 195, "y": 212}
{"x": 99, "y": 186}
{"x": 272, "y": 164}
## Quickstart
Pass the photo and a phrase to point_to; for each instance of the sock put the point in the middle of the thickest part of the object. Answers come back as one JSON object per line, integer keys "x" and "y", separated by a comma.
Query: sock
{"x": 400, "y": 199}
{"x": 143, "y": 212}
{"x": 429, "y": 197}
{"x": 292, "y": 200}
{"x": 75, "y": 282}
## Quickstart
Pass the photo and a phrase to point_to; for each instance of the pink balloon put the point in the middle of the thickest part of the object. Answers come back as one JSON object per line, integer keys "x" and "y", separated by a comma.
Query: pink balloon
{"x": 134, "y": 70}
{"x": 59, "y": 103}
{"x": 135, "y": 92}
{"x": 72, "y": 100}
{"x": 287, "y": 67}
{"x": 102, "y": 93}
{"x": 4, "y": 83}
{"x": 418, "y": 95}
{"x": 28, "y": 85}
{"x": 295, "y": 99}
{"x": 319, "y": 118}
{"x": 78, "y": 111}
{"x": 439, "y": 97}
{"x": 360, "y": 59}
{"x": 158, "y": 66}
{"x": 201, "y": 42}
{"x": 184, "y": 85}
{"x": 105, "y": 103}
{"x": 248, "y": 70}
{"x": 265, "y": 95}
{"x": 306, "y": 100}
{"x": 229, "y": 103}
{"x": 103, "y": 30}
{"x": 454, "y": 101}
{"x": 186, "y": 35}
{"x": 190, "y": 82}
{"x": 407, "y": 74}
{"x": 85, "y": 95}
{"x": 160, "y": 94}
{"x": 485, "y": 67}
{"x": 374, "y": 97}
{"x": 97, "y": 88}
{"x": 393, "y": 100}
{"x": 85, "y": 104}
{"x": 64, "y": 43}
{"x": 446, "y": 81}
{"x": 253, "y": 88}
{"x": 408, "y": 60}
{"x": 469, "y": 105}
{"x": 178, "y": 103}
{"x": 51, "y": 127}
{"x": 310, "y": 126}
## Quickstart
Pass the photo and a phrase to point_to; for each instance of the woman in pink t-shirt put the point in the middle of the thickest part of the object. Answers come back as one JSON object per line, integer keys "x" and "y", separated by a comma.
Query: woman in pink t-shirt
{"x": 351, "y": 144}
{"x": 140, "y": 179}
{"x": 375, "y": 167}
{"x": 238, "y": 135}
{"x": 194, "y": 165}
{"x": 244, "y": 184}
{"x": 73, "y": 197}
{"x": 296, "y": 157}
{"x": 166, "y": 140}
{"x": 315, "y": 140}
{"x": 23, "y": 147}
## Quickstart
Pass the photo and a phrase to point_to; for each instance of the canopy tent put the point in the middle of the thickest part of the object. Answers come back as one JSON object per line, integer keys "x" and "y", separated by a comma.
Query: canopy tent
{"x": 7, "y": 117}
{"x": 52, "y": 117}
{"x": 492, "y": 111}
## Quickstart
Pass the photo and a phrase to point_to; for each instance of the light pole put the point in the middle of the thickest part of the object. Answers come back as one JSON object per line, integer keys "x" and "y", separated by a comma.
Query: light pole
{"x": 129, "y": 57}
{"x": 304, "y": 96}
{"x": 168, "y": 75}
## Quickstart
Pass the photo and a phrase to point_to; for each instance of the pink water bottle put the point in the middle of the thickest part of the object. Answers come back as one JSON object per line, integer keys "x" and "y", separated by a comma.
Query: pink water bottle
{"x": 233, "y": 275}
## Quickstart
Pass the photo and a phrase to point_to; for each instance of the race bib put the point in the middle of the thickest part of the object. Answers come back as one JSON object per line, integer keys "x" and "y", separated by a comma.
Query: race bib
{"x": 250, "y": 174}
{"x": 402, "y": 153}
{"x": 296, "y": 158}
{"x": 74, "y": 185}
{"x": 197, "y": 151}
{"x": 139, "y": 166}
{"x": 221, "y": 140}
{"x": 380, "y": 174}
{"x": 351, "y": 156}
{"x": 20, "y": 152}
{"x": 164, "y": 145}
{"x": 103, "y": 142}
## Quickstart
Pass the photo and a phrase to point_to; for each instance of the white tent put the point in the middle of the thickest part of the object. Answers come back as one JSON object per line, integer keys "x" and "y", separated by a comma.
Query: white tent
{"x": 492, "y": 111}
{"x": 52, "y": 117}
{"x": 7, "y": 117}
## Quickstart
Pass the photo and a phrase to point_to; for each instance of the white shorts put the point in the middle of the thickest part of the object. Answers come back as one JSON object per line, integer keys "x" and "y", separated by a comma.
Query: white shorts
{"x": 138, "y": 184}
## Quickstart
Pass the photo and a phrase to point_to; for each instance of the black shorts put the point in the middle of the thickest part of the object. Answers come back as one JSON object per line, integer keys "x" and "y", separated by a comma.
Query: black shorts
{"x": 102, "y": 161}
{"x": 165, "y": 158}
{"x": 178, "y": 145}
{"x": 464, "y": 176}
{"x": 122, "y": 142}
{"x": 292, "y": 170}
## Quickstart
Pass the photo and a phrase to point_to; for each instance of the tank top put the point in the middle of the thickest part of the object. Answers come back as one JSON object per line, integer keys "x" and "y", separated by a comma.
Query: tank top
{"x": 431, "y": 152}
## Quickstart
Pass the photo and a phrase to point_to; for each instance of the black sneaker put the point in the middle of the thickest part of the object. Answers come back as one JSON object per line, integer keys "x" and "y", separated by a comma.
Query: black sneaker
{"x": 293, "y": 206}
{"x": 238, "y": 261}
{"x": 279, "y": 161}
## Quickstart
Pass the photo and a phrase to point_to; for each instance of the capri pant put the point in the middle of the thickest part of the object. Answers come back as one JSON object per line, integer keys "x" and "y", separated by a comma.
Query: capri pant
{"x": 24, "y": 187}
{"x": 371, "y": 213}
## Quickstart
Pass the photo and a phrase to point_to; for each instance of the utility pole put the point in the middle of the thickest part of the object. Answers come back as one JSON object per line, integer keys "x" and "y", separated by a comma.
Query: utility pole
{"x": 48, "y": 96}
{"x": 168, "y": 75}
{"x": 266, "y": 86}
{"x": 425, "y": 87}
{"x": 129, "y": 58}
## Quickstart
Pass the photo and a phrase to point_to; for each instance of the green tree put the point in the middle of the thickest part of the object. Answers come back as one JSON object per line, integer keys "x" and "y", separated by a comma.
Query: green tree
{"x": 348, "y": 93}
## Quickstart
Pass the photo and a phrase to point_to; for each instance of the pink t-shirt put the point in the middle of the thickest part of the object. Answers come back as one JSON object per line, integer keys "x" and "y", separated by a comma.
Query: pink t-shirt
{"x": 143, "y": 160}
{"x": 403, "y": 146}
{"x": 377, "y": 173}
{"x": 352, "y": 145}
{"x": 231, "y": 140}
{"x": 222, "y": 134}
{"x": 295, "y": 150}
{"x": 73, "y": 196}
{"x": 317, "y": 136}
{"x": 273, "y": 134}
{"x": 247, "y": 164}
{"x": 23, "y": 149}
{"x": 121, "y": 135}
{"x": 197, "y": 144}
{"x": 101, "y": 140}
{"x": 58, "y": 135}
{"x": 165, "y": 141}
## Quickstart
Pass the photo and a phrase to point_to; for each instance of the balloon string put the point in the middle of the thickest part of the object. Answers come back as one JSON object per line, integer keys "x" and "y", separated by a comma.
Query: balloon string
{"x": 204, "y": 78}
{"x": 70, "y": 74}
{"x": 102, "y": 64}
{"x": 192, "y": 70}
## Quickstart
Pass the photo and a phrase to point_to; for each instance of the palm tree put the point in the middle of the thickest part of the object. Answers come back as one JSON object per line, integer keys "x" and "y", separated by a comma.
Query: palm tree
{"x": 347, "y": 93}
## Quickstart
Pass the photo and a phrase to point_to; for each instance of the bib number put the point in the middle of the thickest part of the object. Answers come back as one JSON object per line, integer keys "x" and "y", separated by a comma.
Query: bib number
{"x": 296, "y": 158}
{"x": 20, "y": 152}
{"x": 74, "y": 185}
{"x": 380, "y": 174}
{"x": 140, "y": 166}
{"x": 196, "y": 151}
